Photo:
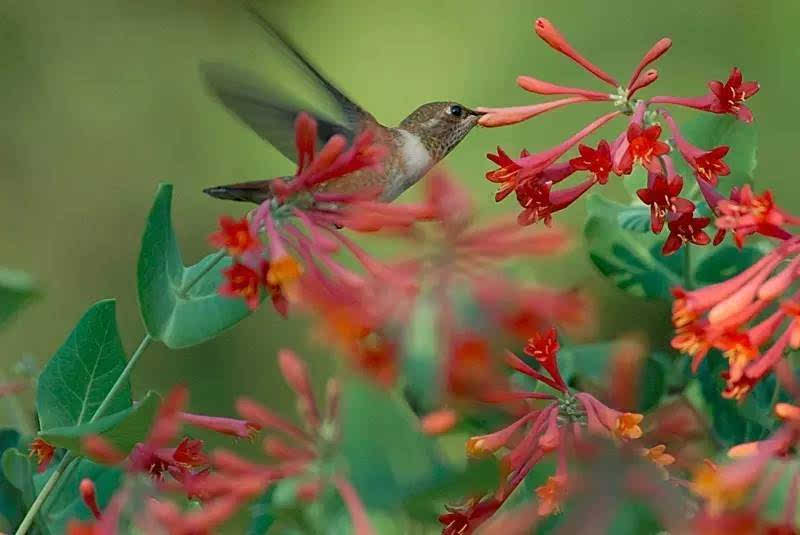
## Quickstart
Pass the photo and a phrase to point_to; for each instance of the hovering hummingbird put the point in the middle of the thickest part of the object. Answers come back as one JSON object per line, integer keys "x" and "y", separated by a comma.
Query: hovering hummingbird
{"x": 421, "y": 140}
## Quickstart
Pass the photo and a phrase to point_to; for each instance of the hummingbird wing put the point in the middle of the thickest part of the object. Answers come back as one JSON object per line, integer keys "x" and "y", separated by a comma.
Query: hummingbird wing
{"x": 270, "y": 111}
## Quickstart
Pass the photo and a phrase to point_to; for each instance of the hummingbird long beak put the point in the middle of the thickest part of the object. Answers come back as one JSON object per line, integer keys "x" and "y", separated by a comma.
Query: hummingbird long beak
{"x": 474, "y": 112}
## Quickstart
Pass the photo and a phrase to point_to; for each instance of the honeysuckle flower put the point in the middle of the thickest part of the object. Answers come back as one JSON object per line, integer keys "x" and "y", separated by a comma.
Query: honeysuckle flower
{"x": 235, "y": 236}
{"x": 725, "y": 97}
{"x": 751, "y": 317}
{"x": 661, "y": 194}
{"x": 746, "y": 213}
{"x": 301, "y": 453}
{"x": 550, "y": 428}
{"x": 243, "y": 282}
{"x": 551, "y": 495}
{"x": 550, "y": 35}
{"x": 658, "y": 455}
{"x": 226, "y": 426}
{"x": 596, "y": 161}
{"x": 708, "y": 165}
{"x": 643, "y": 147}
{"x": 88, "y": 494}
{"x": 44, "y": 453}
{"x": 684, "y": 228}
{"x": 640, "y": 143}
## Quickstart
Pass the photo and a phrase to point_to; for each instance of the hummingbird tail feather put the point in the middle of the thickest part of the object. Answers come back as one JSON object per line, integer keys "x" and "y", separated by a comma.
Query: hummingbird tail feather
{"x": 257, "y": 191}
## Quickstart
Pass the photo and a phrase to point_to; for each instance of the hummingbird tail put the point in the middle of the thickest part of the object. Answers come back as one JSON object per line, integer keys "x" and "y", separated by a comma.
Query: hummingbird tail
{"x": 257, "y": 191}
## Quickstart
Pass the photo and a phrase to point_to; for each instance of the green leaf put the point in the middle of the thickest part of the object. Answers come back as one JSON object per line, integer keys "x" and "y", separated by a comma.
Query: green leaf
{"x": 632, "y": 260}
{"x": 67, "y": 504}
{"x": 390, "y": 460}
{"x": 12, "y": 507}
{"x": 18, "y": 471}
{"x": 122, "y": 429}
{"x": 172, "y": 315}
{"x": 262, "y": 515}
{"x": 81, "y": 373}
{"x": 732, "y": 423}
{"x": 635, "y": 218}
{"x": 708, "y": 131}
{"x": 723, "y": 262}
{"x": 16, "y": 290}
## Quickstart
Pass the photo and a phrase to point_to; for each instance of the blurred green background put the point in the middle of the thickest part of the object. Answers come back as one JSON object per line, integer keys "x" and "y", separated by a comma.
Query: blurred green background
{"x": 102, "y": 99}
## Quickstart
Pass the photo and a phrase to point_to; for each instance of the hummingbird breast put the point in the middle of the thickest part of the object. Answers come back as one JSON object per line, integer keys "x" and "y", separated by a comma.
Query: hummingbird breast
{"x": 406, "y": 162}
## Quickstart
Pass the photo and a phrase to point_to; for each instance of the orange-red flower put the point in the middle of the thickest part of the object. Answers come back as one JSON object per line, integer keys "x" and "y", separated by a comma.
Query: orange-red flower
{"x": 44, "y": 453}
{"x": 235, "y": 236}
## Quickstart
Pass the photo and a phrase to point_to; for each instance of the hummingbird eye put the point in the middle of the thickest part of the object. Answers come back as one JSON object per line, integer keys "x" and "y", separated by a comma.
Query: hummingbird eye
{"x": 456, "y": 110}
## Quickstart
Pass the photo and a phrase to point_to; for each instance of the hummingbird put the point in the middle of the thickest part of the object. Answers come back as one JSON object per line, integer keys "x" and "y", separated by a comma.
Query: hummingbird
{"x": 414, "y": 146}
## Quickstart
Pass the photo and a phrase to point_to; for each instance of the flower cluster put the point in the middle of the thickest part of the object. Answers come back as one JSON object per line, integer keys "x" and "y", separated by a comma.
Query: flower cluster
{"x": 552, "y": 429}
{"x": 752, "y": 318}
{"x": 736, "y": 493}
{"x": 234, "y": 481}
{"x": 532, "y": 177}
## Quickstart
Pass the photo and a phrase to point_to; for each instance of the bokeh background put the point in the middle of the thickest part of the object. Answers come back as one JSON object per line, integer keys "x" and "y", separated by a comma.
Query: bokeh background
{"x": 101, "y": 99}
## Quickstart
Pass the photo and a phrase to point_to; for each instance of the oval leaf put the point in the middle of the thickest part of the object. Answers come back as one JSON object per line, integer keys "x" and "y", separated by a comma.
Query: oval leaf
{"x": 81, "y": 373}
{"x": 632, "y": 260}
{"x": 177, "y": 317}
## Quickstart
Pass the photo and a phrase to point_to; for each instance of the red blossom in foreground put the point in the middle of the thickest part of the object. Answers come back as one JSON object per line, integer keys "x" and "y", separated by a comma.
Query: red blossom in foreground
{"x": 540, "y": 431}
{"x": 44, "y": 453}
{"x": 751, "y": 317}
{"x": 739, "y": 490}
{"x": 301, "y": 452}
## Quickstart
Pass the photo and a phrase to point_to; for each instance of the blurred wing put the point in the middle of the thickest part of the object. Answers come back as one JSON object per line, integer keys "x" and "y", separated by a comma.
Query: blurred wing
{"x": 270, "y": 113}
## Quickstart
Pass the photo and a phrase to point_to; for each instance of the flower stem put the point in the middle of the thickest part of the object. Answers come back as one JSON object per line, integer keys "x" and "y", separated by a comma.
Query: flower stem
{"x": 48, "y": 486}
{"x": 122, "y": 377}
{"x": 184, "y": 290}
{"x": 687, "y": 267}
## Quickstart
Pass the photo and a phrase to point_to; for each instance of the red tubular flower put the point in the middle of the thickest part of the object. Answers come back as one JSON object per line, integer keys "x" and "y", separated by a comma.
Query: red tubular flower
{"x": 661, "y": 194}
{"x": 746, "y": 213}
{"x": 597, "y": 161}
{"x": 732, "y": 317}
{"x": 655, "y": 52}
{"x": 685, "y": 228}
{"x": 540, "y": 203}
{"x": 550, "y": 35}
{"x": 44, "y": 453}
{"x": 725, "y": 97}
{"x": 730, "y": 96}
{"x": 89, "y": 496}
{"x": 226, "y": 426}
{"x": 493, "y": 117}
{"x": 242, "y": 282}
{"x": 643, "y": 147}
{"x": 707, "y": 165}
{"x": 235, "y": 236}
{"x": 541, "y": 87}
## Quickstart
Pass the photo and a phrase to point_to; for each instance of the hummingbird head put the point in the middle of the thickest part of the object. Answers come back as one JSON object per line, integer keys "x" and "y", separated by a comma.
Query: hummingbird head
{"x": 440, "y": 126}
